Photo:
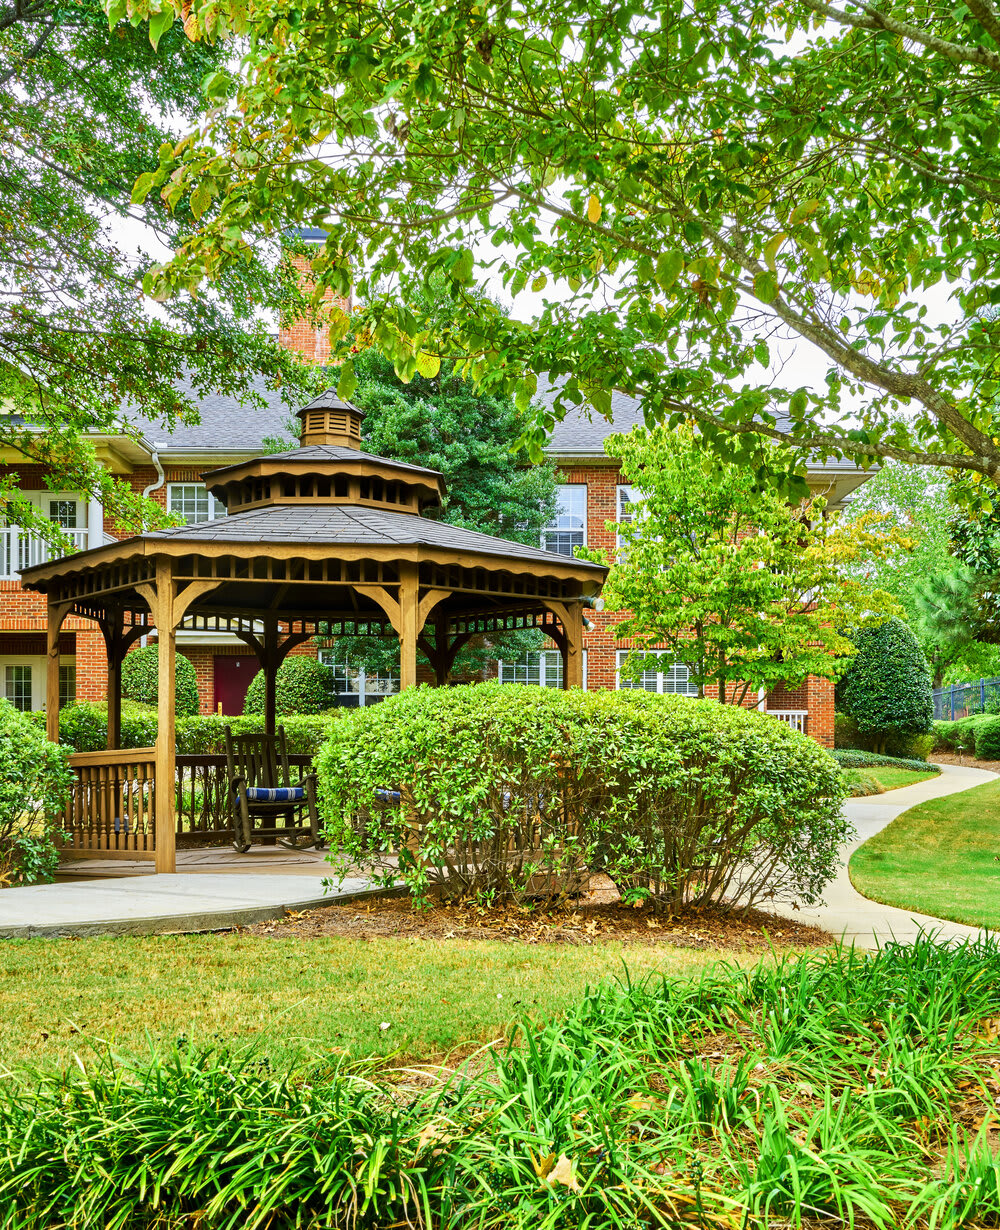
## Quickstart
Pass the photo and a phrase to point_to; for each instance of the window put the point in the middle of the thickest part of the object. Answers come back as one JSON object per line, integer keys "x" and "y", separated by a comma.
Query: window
{"x": 193, "y": 503}
{"x": 568, "y": 528}
{"x": 67, "y": 683}
{"x": 543, "y": 668}
{"x": 673, "y": 678}
{"x": 350, "y": 680}
{"x": 17, "y": 686}
{"x": 63, "y": 513}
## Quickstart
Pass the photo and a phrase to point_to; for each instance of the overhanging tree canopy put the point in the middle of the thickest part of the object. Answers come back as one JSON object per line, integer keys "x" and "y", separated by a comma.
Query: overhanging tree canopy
{"x": 81, "y": 116}
{"x": 689, "y": 184}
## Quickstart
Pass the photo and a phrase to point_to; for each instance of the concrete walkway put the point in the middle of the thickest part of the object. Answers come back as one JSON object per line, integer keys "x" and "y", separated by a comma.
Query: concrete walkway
{"x": 865, "y": 923}
{"x": 154, "y": 904}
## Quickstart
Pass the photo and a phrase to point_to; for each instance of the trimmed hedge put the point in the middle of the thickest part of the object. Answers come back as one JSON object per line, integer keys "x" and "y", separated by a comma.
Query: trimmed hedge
{"x": 35, "y": 779}
{"x": 949, "y": 736}
{"x": 851, "y": 758}
{"x": 303, "y": 685}
{"x": 988, "y": 739}
{"x": 887, "y": 688}
{"x": 84, "y": 728}
{"x": 516, "y": 791}
{"x": 140, "y": 679}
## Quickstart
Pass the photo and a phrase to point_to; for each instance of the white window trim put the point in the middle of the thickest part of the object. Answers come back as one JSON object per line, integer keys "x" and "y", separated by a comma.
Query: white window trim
{"x": 39, "y": 668}
{"x": 329, "y": 658}
{"x": 216, "y": 509}
{"x": 511, "y": 663}
{"x": 553, "y": 528}
{"x": 661, "y": 676}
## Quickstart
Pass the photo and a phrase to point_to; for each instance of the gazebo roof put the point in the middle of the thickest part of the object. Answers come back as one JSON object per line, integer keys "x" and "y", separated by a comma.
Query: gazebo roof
{"x": 325, "y": 453}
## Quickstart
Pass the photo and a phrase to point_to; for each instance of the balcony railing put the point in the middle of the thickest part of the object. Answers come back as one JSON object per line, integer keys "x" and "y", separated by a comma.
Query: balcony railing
{"x": 796, "y": 718}
{"x": 20, "y": 550}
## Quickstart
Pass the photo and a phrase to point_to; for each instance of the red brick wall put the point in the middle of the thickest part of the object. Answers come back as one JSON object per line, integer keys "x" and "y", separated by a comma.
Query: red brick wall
{"x": 312, "y": 342}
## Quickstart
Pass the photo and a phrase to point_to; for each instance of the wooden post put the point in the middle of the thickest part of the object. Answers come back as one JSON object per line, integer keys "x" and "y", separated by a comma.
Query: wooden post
{"x": 573, "y": 652}
{"x": 114, "y": 699}
{"x": 270, "y": 668}
{"x": 408, "y": 625}
{"x": 57, "y": 612}
{"x": 166, "y": 753}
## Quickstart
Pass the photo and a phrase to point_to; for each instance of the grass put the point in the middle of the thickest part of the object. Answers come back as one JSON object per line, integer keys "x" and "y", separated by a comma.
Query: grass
{"x": 890, "y": 778}
{"x": 834, "y": 1089}
{"x": 941, "y": 858}
{"x": 58, "y": 997}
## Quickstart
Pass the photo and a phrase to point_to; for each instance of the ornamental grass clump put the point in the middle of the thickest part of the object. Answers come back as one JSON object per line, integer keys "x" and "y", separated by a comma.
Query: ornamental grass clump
{"x": 514, "y": 792}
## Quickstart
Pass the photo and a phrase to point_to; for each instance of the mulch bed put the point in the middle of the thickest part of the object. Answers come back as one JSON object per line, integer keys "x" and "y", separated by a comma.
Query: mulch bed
{"x": 597, "y": 917}
{"x": 967, "y": 762}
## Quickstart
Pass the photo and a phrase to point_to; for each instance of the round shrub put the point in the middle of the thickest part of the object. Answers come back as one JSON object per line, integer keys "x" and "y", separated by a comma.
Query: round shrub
{"x": 516, "y": 791}
{"x": 35, "y": 780}
{"x": 887, "y": 688}
{"x": 140, "y": 679}
{"x": 988, "y": 739}
{"x": 303, "y": 685}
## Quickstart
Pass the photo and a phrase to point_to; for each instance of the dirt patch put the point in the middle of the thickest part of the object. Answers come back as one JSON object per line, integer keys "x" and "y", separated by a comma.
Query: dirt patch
{"x": 597, "y": 917}
{"x": 967, "y": 762}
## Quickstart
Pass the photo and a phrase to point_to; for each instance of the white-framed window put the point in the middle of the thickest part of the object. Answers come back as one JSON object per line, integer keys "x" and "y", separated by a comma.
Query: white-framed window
{"x": 20, "y": 549}
{"x": 193, "y": 503}
{"x": 17, "y": 685}
{"x": 568, "y": 527}
{"x": 67, "y": 683}
{"x": 629, "y": 506}
{"x": 540, "y": 667}
{"x": 351, "y": 680}
{"x": 23, "y": 679}
{"x": 671, "y": 677}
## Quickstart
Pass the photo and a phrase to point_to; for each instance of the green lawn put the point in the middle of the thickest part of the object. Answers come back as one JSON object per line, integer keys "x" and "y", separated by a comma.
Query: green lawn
{"x": 941, "y": 857}
{"x": 59, "y": 996}
{"x": 890, "y": 778}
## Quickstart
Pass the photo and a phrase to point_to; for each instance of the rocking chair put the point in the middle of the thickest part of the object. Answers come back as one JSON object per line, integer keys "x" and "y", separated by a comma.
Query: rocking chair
{"x": 261, "y": 792}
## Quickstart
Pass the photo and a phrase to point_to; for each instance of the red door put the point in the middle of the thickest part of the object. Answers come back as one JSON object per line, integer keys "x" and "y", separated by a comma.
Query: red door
{"x": 232, "y": 677}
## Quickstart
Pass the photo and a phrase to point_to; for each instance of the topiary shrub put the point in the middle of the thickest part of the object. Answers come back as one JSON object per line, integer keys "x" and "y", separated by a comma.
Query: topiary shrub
{"x": 514, "y": 792}
{"x": 887, "y": 688}
{"x": 988, "y": 739}
{"x": 303, "y": 685}
{"x": 851, "y": 758}
{"x": 35, "y": 780}
{"x": 140, "y": 679}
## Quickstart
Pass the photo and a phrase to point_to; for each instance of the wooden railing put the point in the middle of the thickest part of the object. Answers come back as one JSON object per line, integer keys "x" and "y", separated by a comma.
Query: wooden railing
{"x": 798, "y": 719}
{"x": 203, "y": 814}
{"x": 111, "y": 809}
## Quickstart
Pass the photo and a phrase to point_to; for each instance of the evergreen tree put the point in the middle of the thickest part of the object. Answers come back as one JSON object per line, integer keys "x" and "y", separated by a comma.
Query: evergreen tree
{"x": 887, "y": 689}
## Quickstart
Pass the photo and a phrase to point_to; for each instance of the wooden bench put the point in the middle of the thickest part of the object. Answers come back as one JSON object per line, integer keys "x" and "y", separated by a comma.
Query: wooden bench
{"x": 262, "y": 792}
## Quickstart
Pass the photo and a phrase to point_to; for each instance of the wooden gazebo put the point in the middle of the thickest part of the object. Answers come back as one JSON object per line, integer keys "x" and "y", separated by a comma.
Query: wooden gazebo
{"x": 322, "y": 540}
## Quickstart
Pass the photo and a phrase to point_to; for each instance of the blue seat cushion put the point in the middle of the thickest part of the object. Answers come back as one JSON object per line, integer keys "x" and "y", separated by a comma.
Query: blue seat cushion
{"x": 275, "y": 794}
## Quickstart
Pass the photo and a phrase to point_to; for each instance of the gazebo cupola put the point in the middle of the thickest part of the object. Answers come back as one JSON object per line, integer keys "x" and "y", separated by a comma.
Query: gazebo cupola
{"x": 328, "y": 419}
{"x": 328, "y": 468}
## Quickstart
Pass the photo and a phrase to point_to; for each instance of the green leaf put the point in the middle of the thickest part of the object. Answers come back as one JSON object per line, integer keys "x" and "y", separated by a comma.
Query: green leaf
{"x": 142, "y": 187}
{"x": 669, "y": 267}
{"x": 348, "y": 381}
{"x": 201, "y": 198}
{"x": 428, "y": 365}
{"x": 798, "y": 402}
{"x": 159, "y": 24}
{"x": 765, "y": 286}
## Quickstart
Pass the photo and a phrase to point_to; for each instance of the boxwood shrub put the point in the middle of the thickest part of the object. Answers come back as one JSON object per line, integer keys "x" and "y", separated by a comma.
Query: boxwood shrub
{"x": 34, "y": 786}
{"x": 84, "y": 725}
{"x": 140, "y": 679}
{"x": 303, "y": 685}
{"x": 960, "y": 734}
{"x": 988, "y": 739}
{"x": 515, "y": 791}
{"x": 887, "y": 688}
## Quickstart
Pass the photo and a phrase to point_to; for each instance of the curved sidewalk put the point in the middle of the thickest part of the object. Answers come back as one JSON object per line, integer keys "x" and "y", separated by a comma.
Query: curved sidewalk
{"x": 159, "y": 904}
{"x": 856, "y": 919}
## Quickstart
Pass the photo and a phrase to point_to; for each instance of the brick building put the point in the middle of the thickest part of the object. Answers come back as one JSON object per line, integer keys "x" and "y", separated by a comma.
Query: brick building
{"x": 168, "y": 469}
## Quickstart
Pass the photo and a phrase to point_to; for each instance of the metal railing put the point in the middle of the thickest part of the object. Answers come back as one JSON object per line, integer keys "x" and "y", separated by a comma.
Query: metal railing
{"x": 20, "y": 550}
{"x": 960, "y": 700}
{"x": 798, "y": 719}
